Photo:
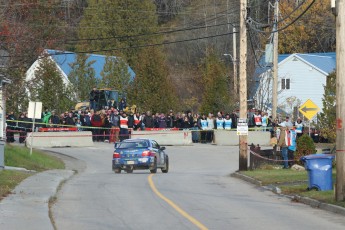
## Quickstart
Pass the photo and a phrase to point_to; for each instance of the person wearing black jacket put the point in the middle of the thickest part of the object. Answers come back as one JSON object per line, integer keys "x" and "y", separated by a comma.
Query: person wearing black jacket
{"x": 22, "y": 128}
{"x": 186, "y": 123}
{"x": 131, "y": 120}
{"x": 11, "y": 127}
{"x": 69, "y": 120}
{"x": 93, "y": 97}
{"x": 148, "y": 120}
{"x": 55, "y": 119}
{"x": 233, "y": 117}
{"x": 106, "y": 126}
{"x": 170, "y": 120}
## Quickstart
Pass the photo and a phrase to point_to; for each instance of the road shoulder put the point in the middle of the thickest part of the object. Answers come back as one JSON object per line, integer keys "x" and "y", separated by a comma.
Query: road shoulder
{"x": 296, "y": 198}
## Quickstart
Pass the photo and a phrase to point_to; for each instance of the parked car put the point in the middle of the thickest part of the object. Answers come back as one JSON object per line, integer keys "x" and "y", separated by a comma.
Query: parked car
{"x": 133, "y": 154}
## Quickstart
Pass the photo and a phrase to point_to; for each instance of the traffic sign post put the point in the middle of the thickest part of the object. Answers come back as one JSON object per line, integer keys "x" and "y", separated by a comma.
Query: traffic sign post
{"x": 242, "y": 127}
{"x": 309, "y": 109}
{"x": 34, "y": 112}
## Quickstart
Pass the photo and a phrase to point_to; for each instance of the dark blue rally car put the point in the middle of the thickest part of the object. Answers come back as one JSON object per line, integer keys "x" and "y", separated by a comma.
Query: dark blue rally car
{"x": 133, "y": 154}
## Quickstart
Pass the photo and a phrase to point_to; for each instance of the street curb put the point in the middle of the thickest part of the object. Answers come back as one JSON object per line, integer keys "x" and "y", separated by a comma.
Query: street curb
{"x": 246, "y": 178}
{"x": 305, "y": 200}
{"x": 317, "y": 204}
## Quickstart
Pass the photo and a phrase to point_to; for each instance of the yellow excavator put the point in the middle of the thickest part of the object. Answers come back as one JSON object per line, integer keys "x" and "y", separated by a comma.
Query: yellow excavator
{"x": 106, "y": 98}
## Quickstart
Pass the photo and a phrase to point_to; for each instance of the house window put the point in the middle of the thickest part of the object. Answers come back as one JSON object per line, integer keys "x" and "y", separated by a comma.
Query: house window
{"x": 285, "y": 83}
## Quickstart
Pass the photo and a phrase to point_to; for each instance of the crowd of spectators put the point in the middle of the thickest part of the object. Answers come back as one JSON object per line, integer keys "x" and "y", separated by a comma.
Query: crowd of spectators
{"x": 103, "y": 121}
{"x": 100, "y": 122}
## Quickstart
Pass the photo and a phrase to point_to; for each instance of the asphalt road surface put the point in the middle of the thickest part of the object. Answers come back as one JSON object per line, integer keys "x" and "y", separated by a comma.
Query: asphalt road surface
{"x": 197, "y": 193}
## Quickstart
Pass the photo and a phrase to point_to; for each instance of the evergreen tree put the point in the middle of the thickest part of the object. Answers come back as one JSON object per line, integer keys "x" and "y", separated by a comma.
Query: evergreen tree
{"x": 48, "y": 87}
{"x": 327, "y": 118}
{"x": 115, "y": 75}
{"x": 116, "y": 24}
{"x": 82, "y": 77}
{"x": 215, "y": 93}
{"x": 16, "y": 94}
{"x": 152, "y": 88}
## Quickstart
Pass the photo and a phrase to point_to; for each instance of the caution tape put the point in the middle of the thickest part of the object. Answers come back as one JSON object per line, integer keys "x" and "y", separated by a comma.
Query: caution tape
{"x": 47, "y": 125}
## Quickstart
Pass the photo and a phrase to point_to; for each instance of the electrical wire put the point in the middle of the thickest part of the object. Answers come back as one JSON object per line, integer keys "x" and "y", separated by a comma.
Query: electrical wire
{"x": 134, "y": 47}
{"x": 284, "y": 18}
{"x": 253, "y": 50}
{"x": 141, "y": 35}
{"x": 286, "y": 26}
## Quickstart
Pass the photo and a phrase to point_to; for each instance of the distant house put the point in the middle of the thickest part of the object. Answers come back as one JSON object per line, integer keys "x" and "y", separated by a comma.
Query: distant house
{"x": 63, "y": 59}
{"x": 300, "y": 77}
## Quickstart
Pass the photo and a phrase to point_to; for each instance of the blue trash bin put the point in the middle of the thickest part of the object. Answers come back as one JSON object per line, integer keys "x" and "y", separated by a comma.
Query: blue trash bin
{"x": 319, "y": 167}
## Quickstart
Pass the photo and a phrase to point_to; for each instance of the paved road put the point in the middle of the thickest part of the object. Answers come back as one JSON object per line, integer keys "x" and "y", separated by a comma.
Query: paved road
{"x": 198, "y": 192}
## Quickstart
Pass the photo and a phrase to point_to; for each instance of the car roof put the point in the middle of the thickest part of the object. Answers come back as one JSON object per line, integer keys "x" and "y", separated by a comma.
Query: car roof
{"x": 137, "y": 139}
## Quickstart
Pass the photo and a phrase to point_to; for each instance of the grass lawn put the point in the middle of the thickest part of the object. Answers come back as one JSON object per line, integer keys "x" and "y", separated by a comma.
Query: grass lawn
{"x": 293, "y": 183}
{"x": 18, "y": 156}
{"x": 276, "y": 176}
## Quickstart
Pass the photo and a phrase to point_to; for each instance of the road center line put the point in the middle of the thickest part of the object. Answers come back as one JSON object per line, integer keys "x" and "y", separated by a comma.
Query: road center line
{"x": 176, "y": 207}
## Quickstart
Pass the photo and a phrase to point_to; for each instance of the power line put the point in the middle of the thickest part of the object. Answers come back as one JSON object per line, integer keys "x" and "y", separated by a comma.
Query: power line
{"x": 151, "y": 34}
{"x": 133, "y": 47}
{"x": 249, "y": 22}
{"x": 283, "y": 19}
{"x": 97, "y": 8}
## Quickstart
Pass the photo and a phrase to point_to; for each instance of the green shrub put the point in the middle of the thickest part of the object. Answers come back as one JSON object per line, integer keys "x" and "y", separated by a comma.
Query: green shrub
{"x": 305, "y": 146}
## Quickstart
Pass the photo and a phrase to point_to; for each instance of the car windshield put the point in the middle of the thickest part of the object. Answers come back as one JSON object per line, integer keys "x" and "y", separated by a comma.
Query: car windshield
{"x": 139, "y": 144}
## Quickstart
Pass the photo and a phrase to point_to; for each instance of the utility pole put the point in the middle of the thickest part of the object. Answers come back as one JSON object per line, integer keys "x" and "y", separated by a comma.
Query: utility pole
{"x": 243, "y": 158}
{"x": 234, "y": 57}
{"x": 234, "y": 52}
{"x": 340, "y": 102}
{"x": 275, "y": 62}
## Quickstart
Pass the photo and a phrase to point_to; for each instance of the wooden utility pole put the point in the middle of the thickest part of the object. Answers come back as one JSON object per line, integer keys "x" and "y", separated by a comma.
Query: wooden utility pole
{"x": 243, "y": 158}
{"x": 275, "y": 62}
{"x": 340, "y": 102}
{"x": 234, "y": 53}
{"x": 234, "y": 59}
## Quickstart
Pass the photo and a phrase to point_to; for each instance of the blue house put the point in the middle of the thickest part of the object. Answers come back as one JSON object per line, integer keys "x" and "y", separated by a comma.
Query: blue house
{"x": 300, "y": 77}
{"x": 63, "y": 59}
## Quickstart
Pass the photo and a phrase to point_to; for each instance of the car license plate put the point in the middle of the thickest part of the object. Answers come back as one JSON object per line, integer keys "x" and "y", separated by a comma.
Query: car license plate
{"x": 130, "y": 162}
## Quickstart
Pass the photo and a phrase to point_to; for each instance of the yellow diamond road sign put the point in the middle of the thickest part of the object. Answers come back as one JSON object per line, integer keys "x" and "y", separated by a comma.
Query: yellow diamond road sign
{"x": 309, "y": 109}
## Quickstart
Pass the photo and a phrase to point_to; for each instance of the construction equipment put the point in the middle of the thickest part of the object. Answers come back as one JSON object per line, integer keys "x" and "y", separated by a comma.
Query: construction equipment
{"x": 105, "y": 98}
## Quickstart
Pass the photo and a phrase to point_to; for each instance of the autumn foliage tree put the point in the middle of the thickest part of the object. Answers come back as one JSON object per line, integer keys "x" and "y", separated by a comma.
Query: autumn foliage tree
{"x": 314, "y": 32}
{"x": 26, "y": 28}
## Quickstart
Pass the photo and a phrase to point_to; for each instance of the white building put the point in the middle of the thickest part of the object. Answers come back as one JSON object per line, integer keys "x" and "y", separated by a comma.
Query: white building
{"x": 300, "y": 77}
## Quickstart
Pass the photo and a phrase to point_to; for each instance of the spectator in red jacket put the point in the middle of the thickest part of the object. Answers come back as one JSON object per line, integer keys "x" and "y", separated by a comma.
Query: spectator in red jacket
{"x": 96, "y": 123}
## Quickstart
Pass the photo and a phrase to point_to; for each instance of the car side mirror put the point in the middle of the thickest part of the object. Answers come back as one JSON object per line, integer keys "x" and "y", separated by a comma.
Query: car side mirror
{"x": 162, "y": 148}
{"x": 116, "y": 144}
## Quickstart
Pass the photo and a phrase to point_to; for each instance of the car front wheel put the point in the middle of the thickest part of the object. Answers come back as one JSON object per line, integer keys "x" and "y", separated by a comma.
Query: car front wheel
{"x": 117, "y": 170}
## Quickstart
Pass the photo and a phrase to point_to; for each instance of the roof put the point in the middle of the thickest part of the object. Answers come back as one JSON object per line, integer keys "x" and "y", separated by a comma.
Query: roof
{"x": 323, "y": 61}
{"x": 326, "y": 62}
{"x": 64, "y": 58}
